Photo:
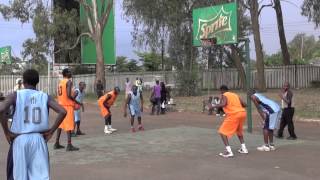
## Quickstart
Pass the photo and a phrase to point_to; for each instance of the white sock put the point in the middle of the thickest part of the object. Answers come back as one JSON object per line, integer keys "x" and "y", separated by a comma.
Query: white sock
{"x": 228, "y": 148}
{"x": 243, "y": 146}
{"x": 106, "y": 127}
{"x": 110, "y": 127}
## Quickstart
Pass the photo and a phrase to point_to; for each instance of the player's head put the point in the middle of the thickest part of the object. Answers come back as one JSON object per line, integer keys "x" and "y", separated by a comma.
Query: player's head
{"x": 117, "y": 90}
{"x": 127, "y": 79}
{"x": 19, "y": 81}
{"x": 224, "y": 89}
{"x": 286, "y": 86}
{"x": 162, "y": 85}
{"x": 157, "y": 82}
{"x": 251, "y": 93}
{"x": 134, "y": 89}
{"x": 82, "y": 85}
{"x": 137, "y": 78}
{"x": 66, "y": 73}
{"x": 210, "y": 98}
{"x": 30, "y": 78}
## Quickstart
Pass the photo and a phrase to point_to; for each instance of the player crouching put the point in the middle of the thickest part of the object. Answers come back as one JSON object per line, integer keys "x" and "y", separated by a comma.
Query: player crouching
{"x": 105, "y": 102}
{"x": 135, "y": 102}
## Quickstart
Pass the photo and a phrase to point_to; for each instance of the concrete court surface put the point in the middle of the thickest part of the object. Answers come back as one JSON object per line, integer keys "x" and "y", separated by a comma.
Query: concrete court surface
{"x": 177, "y": 146}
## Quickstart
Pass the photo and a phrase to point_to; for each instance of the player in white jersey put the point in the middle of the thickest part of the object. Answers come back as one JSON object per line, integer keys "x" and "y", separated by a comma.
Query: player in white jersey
{"x": 79, "y": 95}
{"x": 28, "y": 157}
{"x": 135, "y": 102}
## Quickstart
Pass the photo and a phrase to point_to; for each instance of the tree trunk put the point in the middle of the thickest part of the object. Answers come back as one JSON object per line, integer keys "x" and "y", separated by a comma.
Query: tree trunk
{"x": 100, "y": 74}
{"x": 210, "y": 58}
{"x": 237, "y": 61}
{"x": 254, "y": 8}
{"x": 282, "y": 35}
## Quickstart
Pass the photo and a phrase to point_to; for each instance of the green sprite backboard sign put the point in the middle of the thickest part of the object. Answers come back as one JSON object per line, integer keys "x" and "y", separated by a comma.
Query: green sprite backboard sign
{"x": 88, "y": 48}
{"x": 220, "y": 22}
{"x": 5, "y": 55}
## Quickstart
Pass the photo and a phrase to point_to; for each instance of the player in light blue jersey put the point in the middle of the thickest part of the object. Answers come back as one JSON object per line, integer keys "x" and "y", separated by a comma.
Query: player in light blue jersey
{"x": 135, "y": 102}
{"x": 79, "y": 95}
{"x": 28, "y": 157}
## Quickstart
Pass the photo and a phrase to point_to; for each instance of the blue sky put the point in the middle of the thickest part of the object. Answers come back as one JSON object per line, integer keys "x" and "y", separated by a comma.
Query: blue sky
{"x": 14, "y": 33}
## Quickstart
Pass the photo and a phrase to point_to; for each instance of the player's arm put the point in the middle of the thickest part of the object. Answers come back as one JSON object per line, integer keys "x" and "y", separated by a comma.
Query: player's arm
{"x": 52, "y": 104}
{"x": 243, "y": 104}
{"x": 223, "y": 102}
{"x": 127, "y": 101}
{"x": 4, "y": 116}
{"x": 69, "y": 92}
{"x": 141, "y": 100}
{"x": 256, "y": 102}
{"x": 105, "y": 102}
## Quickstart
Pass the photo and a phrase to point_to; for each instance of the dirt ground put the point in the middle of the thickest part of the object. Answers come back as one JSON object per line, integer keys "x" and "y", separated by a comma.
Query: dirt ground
{"x": 177, "y": 146}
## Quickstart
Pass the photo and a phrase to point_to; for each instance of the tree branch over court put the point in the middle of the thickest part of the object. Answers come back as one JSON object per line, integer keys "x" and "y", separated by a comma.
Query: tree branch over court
{"x": 311, "y": 9}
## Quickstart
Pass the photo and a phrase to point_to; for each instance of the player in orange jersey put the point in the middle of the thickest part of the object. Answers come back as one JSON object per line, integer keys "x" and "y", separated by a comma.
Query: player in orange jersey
{"x": 105, "y": 102}
{"x": 66, "y": 100}
{"x": 236, "y": 114}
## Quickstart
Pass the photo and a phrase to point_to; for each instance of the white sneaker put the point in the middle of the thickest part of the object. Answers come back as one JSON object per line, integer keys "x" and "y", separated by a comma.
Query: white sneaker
{"x": 272, "y": 147}
{"x": 112, "y": 129}
{"x": 243, "y": 151}
{"x": 106, "y": 131}
{"x": 226, "y": 154}
{"x": 263, "y": 148}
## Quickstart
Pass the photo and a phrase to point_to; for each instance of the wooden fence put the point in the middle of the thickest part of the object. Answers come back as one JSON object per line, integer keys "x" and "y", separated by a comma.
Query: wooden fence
{"x": 299, "y": 76}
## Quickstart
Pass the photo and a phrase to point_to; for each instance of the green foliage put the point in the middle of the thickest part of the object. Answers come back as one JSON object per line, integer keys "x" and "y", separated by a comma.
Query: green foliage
{"x": 151, "y": 61}
{"x": 311, "y": 9}
{"x": 124, "y": 65}
{"x": 187, "y": 83}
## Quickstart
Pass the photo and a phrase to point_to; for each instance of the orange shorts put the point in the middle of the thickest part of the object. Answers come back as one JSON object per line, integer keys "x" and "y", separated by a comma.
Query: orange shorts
{"x": 68, "y": 122}
{"x": 105, "y": 111}
{"x": 233, "y": 124}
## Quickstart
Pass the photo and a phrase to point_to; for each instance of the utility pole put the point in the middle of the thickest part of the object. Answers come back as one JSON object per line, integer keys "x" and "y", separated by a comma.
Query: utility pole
{"x": 302, "y": 44}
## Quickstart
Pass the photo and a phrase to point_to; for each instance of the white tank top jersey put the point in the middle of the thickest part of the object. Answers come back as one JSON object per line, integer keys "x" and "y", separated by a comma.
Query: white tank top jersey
{"x": 31, "y": 112}
{"x": 135, "y": 100}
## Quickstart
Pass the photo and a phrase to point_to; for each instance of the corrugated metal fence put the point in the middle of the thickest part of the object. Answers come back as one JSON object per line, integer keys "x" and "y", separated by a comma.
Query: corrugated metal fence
{"x": 299, "y": 76}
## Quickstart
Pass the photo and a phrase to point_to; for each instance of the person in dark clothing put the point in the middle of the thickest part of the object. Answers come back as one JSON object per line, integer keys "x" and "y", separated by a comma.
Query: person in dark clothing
{"x": 156, "y": 98}
{"x": 99, "y": 89}
{"x": 163, "y": 97}
{"x": 286, "y": 96}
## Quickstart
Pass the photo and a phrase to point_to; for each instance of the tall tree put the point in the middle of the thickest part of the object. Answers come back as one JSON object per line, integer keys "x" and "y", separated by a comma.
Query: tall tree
{"x": 97, "y": 19}
{"x": 282, "y": 35}
{"x": 311, "y": 9}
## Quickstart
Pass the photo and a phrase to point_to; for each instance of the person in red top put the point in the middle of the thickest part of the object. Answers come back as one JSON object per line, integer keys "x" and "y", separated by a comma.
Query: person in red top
{"x": 105, "y": 102}
{"x": 67, "y": 101}
{"x": 233, "y": 107}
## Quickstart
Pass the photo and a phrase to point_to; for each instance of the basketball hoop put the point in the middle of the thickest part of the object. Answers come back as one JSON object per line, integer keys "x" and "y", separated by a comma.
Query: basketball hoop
{"x": 208, "y": 42}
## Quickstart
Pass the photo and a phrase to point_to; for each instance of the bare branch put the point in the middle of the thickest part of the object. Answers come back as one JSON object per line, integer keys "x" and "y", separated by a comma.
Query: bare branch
{"x": 107, "y": 13}
{"x": 75, "y": 44}
{"x": 88, "y": 12}
{"x": 263, "y": 6}
{"x": 95, "y": 11}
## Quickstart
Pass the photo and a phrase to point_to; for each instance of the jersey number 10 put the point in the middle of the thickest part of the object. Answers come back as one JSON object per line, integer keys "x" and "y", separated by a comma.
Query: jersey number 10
{"x": 35, "y": 114}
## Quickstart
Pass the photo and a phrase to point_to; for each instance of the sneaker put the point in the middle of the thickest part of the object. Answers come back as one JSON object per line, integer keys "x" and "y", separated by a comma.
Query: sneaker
{"x": 133, "y": 130}
{"x": 141, "y": 128}
{"x": 112, "y": 129}
{"x": 292, "y": 138}
{"x": 70, "y": 147}
{"x": 272, "y": 147}
{"x": 243, "y": 151}
{"x": 226, "y": 154}
{"x": 106, "y": 131}
{"x": 263, "y": 148}
{"x": 80, "y": 133}
{"x": 58, "y": 146}
{"x": 217, "y": 114}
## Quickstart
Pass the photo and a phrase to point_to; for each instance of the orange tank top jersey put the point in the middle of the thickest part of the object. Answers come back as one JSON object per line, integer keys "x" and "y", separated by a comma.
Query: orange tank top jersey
{"x": 110, "y": 101}
{"x": 233, "y": 104}
{"x": 63, "y": 98}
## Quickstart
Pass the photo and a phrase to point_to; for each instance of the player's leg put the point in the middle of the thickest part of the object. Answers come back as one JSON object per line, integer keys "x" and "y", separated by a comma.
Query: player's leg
{"x": 39, "y": 167}
{"x": 78, "y": 123}
{"x": 241, "y": 118}
{"x": 291, "y": 125}
{"x": 69, "y": 127}
{"x": 107, "y": 120}
{"x": 138, "y": 114}
{"x": 132, "y": 116}
{"x": 57, "y": 145}
{"x": 265, "y": 131}
{"x": 226, "y": 130}
{"x": 20, "y": 159}
{"x": 270, "y": 138}
{"x": 283, "y": 123}
{"x": 10, "y": 164}
{"x": 158, "y": 105}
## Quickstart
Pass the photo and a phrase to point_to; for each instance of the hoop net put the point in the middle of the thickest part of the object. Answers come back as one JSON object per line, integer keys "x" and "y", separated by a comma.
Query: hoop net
{"x": 208, "y": 42}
